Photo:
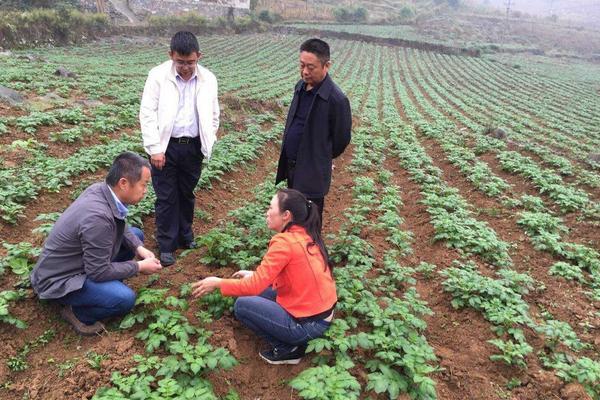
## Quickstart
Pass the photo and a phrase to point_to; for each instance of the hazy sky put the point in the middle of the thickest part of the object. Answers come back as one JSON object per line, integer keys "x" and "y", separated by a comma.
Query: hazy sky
{"x": 587, "y": 9}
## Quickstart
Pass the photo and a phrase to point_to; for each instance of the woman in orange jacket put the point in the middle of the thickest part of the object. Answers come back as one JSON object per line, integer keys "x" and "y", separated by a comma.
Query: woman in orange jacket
{"x": 289, "y": 299}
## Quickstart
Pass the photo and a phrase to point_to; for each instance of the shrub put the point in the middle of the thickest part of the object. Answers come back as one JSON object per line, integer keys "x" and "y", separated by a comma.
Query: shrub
{"x": 20, "y": 5}
{"x": 196, "y": 23}
{"x": 168, "y": 24}
{"x": 350, "y": 14}
{"x": 451, "y": 3}
{"x": 360, "y": 14}
{"x": 269, "y": 17}
{"x": 48, "y": 26}
{"x": 406, "y": 12}
{"x": 247, "y": 24}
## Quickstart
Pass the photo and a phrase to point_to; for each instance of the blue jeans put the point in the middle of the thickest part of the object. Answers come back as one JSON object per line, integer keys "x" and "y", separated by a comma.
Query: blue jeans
{"x": 271, "y": 322}
{"x": 125, "y": 253}
{"x": 99, "y": 300}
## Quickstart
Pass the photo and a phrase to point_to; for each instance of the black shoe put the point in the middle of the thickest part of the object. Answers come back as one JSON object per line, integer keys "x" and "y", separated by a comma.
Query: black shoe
{"x": 188, "y": 245}
{"x": 167, "y": 259}
{"x": 278, "y": 357}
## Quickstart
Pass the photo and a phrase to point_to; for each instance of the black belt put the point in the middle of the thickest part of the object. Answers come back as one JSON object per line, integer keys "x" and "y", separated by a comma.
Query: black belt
{"x": 184, "y": 140}
{"x": 316, "y": 317}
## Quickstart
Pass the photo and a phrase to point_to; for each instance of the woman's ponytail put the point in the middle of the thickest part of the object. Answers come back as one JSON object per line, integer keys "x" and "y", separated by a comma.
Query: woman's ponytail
{"x": 306, "y": 214}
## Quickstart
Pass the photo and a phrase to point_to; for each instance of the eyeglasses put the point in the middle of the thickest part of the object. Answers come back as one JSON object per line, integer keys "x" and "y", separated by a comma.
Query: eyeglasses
{"x": 180, "y": 63}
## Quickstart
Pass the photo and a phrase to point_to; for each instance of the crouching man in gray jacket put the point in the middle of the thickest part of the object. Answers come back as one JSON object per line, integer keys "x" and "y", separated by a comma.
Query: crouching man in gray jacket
{"x": 90, "y": 250}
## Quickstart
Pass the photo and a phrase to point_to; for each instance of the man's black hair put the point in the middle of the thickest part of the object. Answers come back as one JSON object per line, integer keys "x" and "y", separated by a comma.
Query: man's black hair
{"x": 184, "y": 43}
{"x": 127, "y": 165}
{"x": 318, "y": 47}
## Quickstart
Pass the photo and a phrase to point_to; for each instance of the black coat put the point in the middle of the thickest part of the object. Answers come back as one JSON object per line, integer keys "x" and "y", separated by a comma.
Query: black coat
{"x": 326, "y": 135}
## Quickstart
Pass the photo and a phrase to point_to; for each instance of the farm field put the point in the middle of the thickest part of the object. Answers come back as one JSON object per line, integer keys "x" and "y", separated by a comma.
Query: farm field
{"x": 405, "y": 32}
{"x": 489, "y": 34}
{"x": 386, "y": 31}
{"x": 467, "y": 267}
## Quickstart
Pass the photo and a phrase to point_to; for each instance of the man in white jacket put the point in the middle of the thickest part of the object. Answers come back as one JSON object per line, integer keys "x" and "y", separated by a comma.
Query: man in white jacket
{"x": 179, "y": 117}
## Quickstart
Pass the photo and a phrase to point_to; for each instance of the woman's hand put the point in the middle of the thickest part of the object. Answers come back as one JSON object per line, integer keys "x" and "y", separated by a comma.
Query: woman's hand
{"x": 242, "y": 274}
{"x": 205, "y": 286}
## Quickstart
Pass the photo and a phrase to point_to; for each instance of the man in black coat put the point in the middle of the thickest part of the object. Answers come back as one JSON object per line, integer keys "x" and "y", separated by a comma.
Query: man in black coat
{"x": 318, "y": 126}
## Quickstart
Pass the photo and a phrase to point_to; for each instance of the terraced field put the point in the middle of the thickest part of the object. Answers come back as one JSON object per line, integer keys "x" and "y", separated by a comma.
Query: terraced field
{"x": 468, "y": 267}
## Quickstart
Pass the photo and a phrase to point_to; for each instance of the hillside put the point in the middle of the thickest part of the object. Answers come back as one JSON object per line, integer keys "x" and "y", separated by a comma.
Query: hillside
{"x": 586, "y": 11}
{"x": 469, "y": 25}
{"x": 377, "y": 9}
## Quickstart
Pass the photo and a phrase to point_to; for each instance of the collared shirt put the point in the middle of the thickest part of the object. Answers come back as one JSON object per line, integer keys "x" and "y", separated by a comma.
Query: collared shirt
{"x": 123, "y": 210}
{"x": 186, "y": 121}
{"x": 296, "y": 129}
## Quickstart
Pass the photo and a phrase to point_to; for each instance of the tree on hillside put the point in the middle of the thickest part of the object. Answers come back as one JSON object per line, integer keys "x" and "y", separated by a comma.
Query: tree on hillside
{"x": 28, "y": 4}
{"x": 508, "y": 5}
{"x": 451, "y": 3}
{"x": 350, "y": 14}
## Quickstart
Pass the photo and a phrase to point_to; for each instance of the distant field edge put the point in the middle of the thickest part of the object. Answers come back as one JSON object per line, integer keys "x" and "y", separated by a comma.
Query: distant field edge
{"x": 414, "y": 44}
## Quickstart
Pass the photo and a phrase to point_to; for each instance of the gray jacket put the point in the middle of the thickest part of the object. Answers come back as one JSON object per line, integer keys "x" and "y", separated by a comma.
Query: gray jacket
{"x": 82, "y": 244}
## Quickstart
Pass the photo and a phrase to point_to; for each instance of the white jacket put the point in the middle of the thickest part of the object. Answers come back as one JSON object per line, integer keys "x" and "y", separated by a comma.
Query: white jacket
{"x": 160, "y": 103}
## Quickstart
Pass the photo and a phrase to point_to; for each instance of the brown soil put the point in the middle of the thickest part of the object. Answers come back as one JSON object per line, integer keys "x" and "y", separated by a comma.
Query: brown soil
{"x": 582, "y": 231}
{"x": 525, "y": 258}
{"x": 44, "y": 203}
{"x": 232, "y": 192}
{"x": 458, "y": 337}
{"x": 574, "y": 309}
{"x": 468, "y": 83}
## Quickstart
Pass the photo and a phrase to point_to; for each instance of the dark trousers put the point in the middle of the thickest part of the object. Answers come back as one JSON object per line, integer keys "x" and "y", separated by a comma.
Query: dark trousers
{"x": 174, "y": 185}
{"x": 319, "y": 201}
{"x": 96, "y": 301}
{"x": 125, "y": 253}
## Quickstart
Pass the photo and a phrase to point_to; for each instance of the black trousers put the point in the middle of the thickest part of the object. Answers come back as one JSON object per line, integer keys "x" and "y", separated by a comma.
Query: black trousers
{"x": 174, "y": 185}
{"x": 319, "y": 201}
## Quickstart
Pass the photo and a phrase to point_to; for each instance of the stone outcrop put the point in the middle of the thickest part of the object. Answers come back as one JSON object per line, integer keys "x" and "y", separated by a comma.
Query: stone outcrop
{"x": 10, "y": 96}
{"x": 133, "y": 11}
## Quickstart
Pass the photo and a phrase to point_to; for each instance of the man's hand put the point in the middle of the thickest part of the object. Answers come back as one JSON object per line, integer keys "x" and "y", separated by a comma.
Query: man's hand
{"x": 242, "y": 274}
{"x": 149, "y": 266}
{"x": 158, "y": 160}
{"x": 205, "y": 286}
{"x": 144, "y": 253}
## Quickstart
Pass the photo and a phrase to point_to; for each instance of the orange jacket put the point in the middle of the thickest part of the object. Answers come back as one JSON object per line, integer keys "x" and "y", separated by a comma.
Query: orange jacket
{"x": 303, "y": 283}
